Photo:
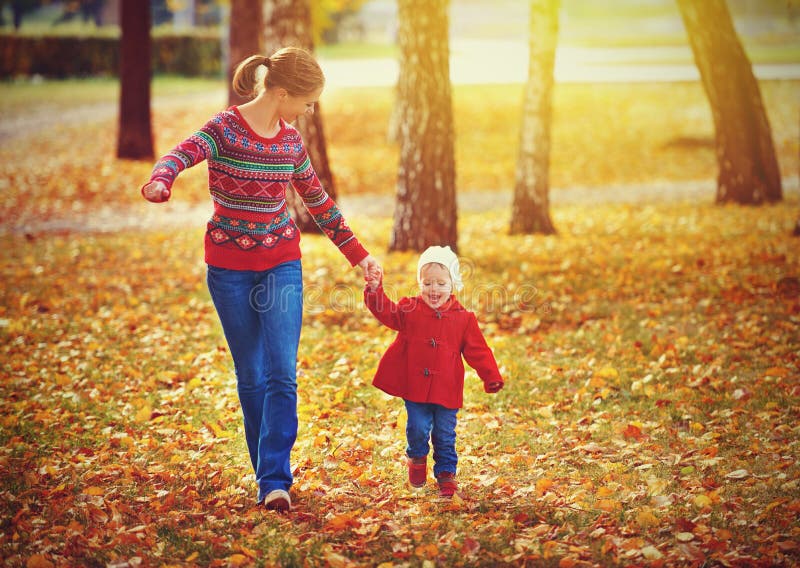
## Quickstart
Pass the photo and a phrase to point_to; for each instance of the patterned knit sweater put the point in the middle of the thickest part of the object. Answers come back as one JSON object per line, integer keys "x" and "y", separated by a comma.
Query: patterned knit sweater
{"x": 248, "y": 176}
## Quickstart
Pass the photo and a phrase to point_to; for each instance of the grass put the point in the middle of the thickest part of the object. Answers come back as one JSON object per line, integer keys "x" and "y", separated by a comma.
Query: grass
{"x": 358, "y": 50}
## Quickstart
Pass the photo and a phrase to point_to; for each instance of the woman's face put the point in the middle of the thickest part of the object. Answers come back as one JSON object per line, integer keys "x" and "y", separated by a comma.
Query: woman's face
{"x": 294, "y": 106}
{"x": 435, "y": 285}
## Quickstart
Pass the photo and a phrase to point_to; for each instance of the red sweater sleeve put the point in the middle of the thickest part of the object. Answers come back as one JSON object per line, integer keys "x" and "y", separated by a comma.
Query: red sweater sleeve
{"x": 324, "y": 211}
{"x": 478, "y": 355}
{"x": 192, "y": 151}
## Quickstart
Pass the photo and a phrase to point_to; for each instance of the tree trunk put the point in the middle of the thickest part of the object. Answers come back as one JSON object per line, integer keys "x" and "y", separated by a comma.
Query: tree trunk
{"x": 288, "y": 23}
{"x": 135, "y": 136}
{"x": 748, "y": 168}
{"x": 244, "y": 40}
{"x": 530, "y": 211}
{"x": 426, "y": 198}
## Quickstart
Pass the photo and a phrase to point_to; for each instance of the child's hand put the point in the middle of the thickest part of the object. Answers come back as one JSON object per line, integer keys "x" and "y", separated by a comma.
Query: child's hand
{"x": 156, "y": 192}
{"x": 373, "y": 277}
{"x": 494, "y": 387}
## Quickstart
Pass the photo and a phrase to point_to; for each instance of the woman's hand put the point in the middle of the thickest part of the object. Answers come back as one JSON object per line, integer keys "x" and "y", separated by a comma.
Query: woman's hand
{"x": 372, "y": 271}
{"x": 156, "y": 192}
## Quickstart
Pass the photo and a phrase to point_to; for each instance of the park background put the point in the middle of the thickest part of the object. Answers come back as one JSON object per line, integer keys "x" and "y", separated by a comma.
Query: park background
{"x": 650, "y": 346}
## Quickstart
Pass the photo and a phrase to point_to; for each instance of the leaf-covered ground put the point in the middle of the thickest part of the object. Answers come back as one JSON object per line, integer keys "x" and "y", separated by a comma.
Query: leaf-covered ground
{"x": 651, "y": 416}
{"x": 651, "y": 353}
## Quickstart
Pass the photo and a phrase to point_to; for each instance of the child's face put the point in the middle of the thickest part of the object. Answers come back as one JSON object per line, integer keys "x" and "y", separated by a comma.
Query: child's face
{"x": 435, "y": 285}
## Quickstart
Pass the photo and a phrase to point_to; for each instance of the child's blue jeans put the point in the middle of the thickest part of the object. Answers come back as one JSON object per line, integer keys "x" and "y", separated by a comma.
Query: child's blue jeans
{"x": 434, "y": 422}
{"x": 261, "y": 313}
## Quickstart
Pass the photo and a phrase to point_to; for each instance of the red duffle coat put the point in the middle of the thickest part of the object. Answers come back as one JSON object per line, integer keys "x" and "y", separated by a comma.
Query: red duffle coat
{"x": 424, "y": 363}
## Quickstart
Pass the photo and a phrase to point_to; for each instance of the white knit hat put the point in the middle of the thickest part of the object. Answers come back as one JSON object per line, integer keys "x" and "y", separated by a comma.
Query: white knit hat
{"x": 444, "y": 256}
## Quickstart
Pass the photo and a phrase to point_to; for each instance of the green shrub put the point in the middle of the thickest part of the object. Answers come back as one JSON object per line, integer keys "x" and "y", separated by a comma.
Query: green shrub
{"x": 59, "y": 56}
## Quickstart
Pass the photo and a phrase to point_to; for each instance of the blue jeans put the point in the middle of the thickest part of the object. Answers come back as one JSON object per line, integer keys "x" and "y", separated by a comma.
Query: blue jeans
{"x": 427, "y": 421}
{"x": 261, "y": 313}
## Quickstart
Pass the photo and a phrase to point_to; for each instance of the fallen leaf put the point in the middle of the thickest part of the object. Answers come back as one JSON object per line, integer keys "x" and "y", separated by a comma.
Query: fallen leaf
{"x": 38, "y": 561}
{"x": 702, "y": 501}
{"x": 608, "y": 505}
{"x": 608, "y": 373}
{"x": 647, "y": 519}
{"x": 652, "y": 553}
{"x": 427, "y": 551}
{"x": 738, "y": 474}
{"x": 237, "y": 560}
{"x": 470, "y": 546}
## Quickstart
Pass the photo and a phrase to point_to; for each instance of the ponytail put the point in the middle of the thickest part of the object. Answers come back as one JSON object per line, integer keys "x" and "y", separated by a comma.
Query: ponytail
{"x": 245, "y": 78}
{"x": 290, "y": 68}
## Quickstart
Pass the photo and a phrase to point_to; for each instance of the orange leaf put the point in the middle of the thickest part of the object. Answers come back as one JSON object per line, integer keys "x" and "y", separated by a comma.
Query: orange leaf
{"x": 94, "y": 490}
{"x": 605, "y": 492}
{"x": 543, "y": 485}
{"x": 608, "y": 505}
{"x": 38, "y": 561}
{"x": 343, "y": 521}
{"x": 633, "y": 432}
{"x": 237, "y": 560}
{"x": 724, "y": 534}
{"x": 549, "y": 549}
{"x": 427, "y": 551}
{"x": 781, "y": 372}
{"x": 646, "y": 519}
{"x": 597, "y": 382}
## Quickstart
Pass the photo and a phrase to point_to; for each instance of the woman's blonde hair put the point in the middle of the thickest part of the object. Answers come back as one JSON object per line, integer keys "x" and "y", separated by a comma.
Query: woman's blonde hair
{"x": 290, "y": 68}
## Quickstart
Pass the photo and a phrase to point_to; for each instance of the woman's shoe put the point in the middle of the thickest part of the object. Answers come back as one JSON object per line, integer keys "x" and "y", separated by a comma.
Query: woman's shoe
{"x": 278, "y": 500}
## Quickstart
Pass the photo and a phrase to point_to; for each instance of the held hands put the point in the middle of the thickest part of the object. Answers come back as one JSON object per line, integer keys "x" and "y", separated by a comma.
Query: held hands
{"x": 493, "y": 387}
{"x": 156, "y": 192}
{"x": 373, "y": 272}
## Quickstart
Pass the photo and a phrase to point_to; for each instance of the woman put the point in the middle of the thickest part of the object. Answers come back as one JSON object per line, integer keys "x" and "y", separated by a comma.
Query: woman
{"x": 252, "y": 245}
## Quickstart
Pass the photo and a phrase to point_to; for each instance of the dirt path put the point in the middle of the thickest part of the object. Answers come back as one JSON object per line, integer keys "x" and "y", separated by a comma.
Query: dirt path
{"x": 175, "y": 214}
{"x": 20, "y": 125}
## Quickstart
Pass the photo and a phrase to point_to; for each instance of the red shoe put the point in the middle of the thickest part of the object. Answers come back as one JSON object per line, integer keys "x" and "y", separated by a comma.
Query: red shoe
{"x": 447, "y": 484}
{"x": 417, "y": 471}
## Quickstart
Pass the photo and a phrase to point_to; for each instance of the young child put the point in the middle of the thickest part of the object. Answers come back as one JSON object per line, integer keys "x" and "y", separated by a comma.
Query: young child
{"x": 423, "y": 366}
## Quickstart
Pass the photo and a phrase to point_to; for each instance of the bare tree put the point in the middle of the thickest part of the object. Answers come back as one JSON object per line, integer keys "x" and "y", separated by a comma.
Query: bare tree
{"x": 288, "y": 23}
{"x": 531, "y": 206}
{"x": 135, "y": 135}
{"x": 426, "y": 197}
{"x": 748, "y": 168}
{"x": 244, "y": 39}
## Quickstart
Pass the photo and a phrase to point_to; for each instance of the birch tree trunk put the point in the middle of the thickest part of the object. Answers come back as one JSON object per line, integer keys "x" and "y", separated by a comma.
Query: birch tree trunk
{"x": 288, "y": 23}
{"x": 748, "y": 168}
{"x": 244, "y": 39}
{"x": 426, "y": 199}
{"x": 135, "y": 133}
{"x": 531, "y": 207}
